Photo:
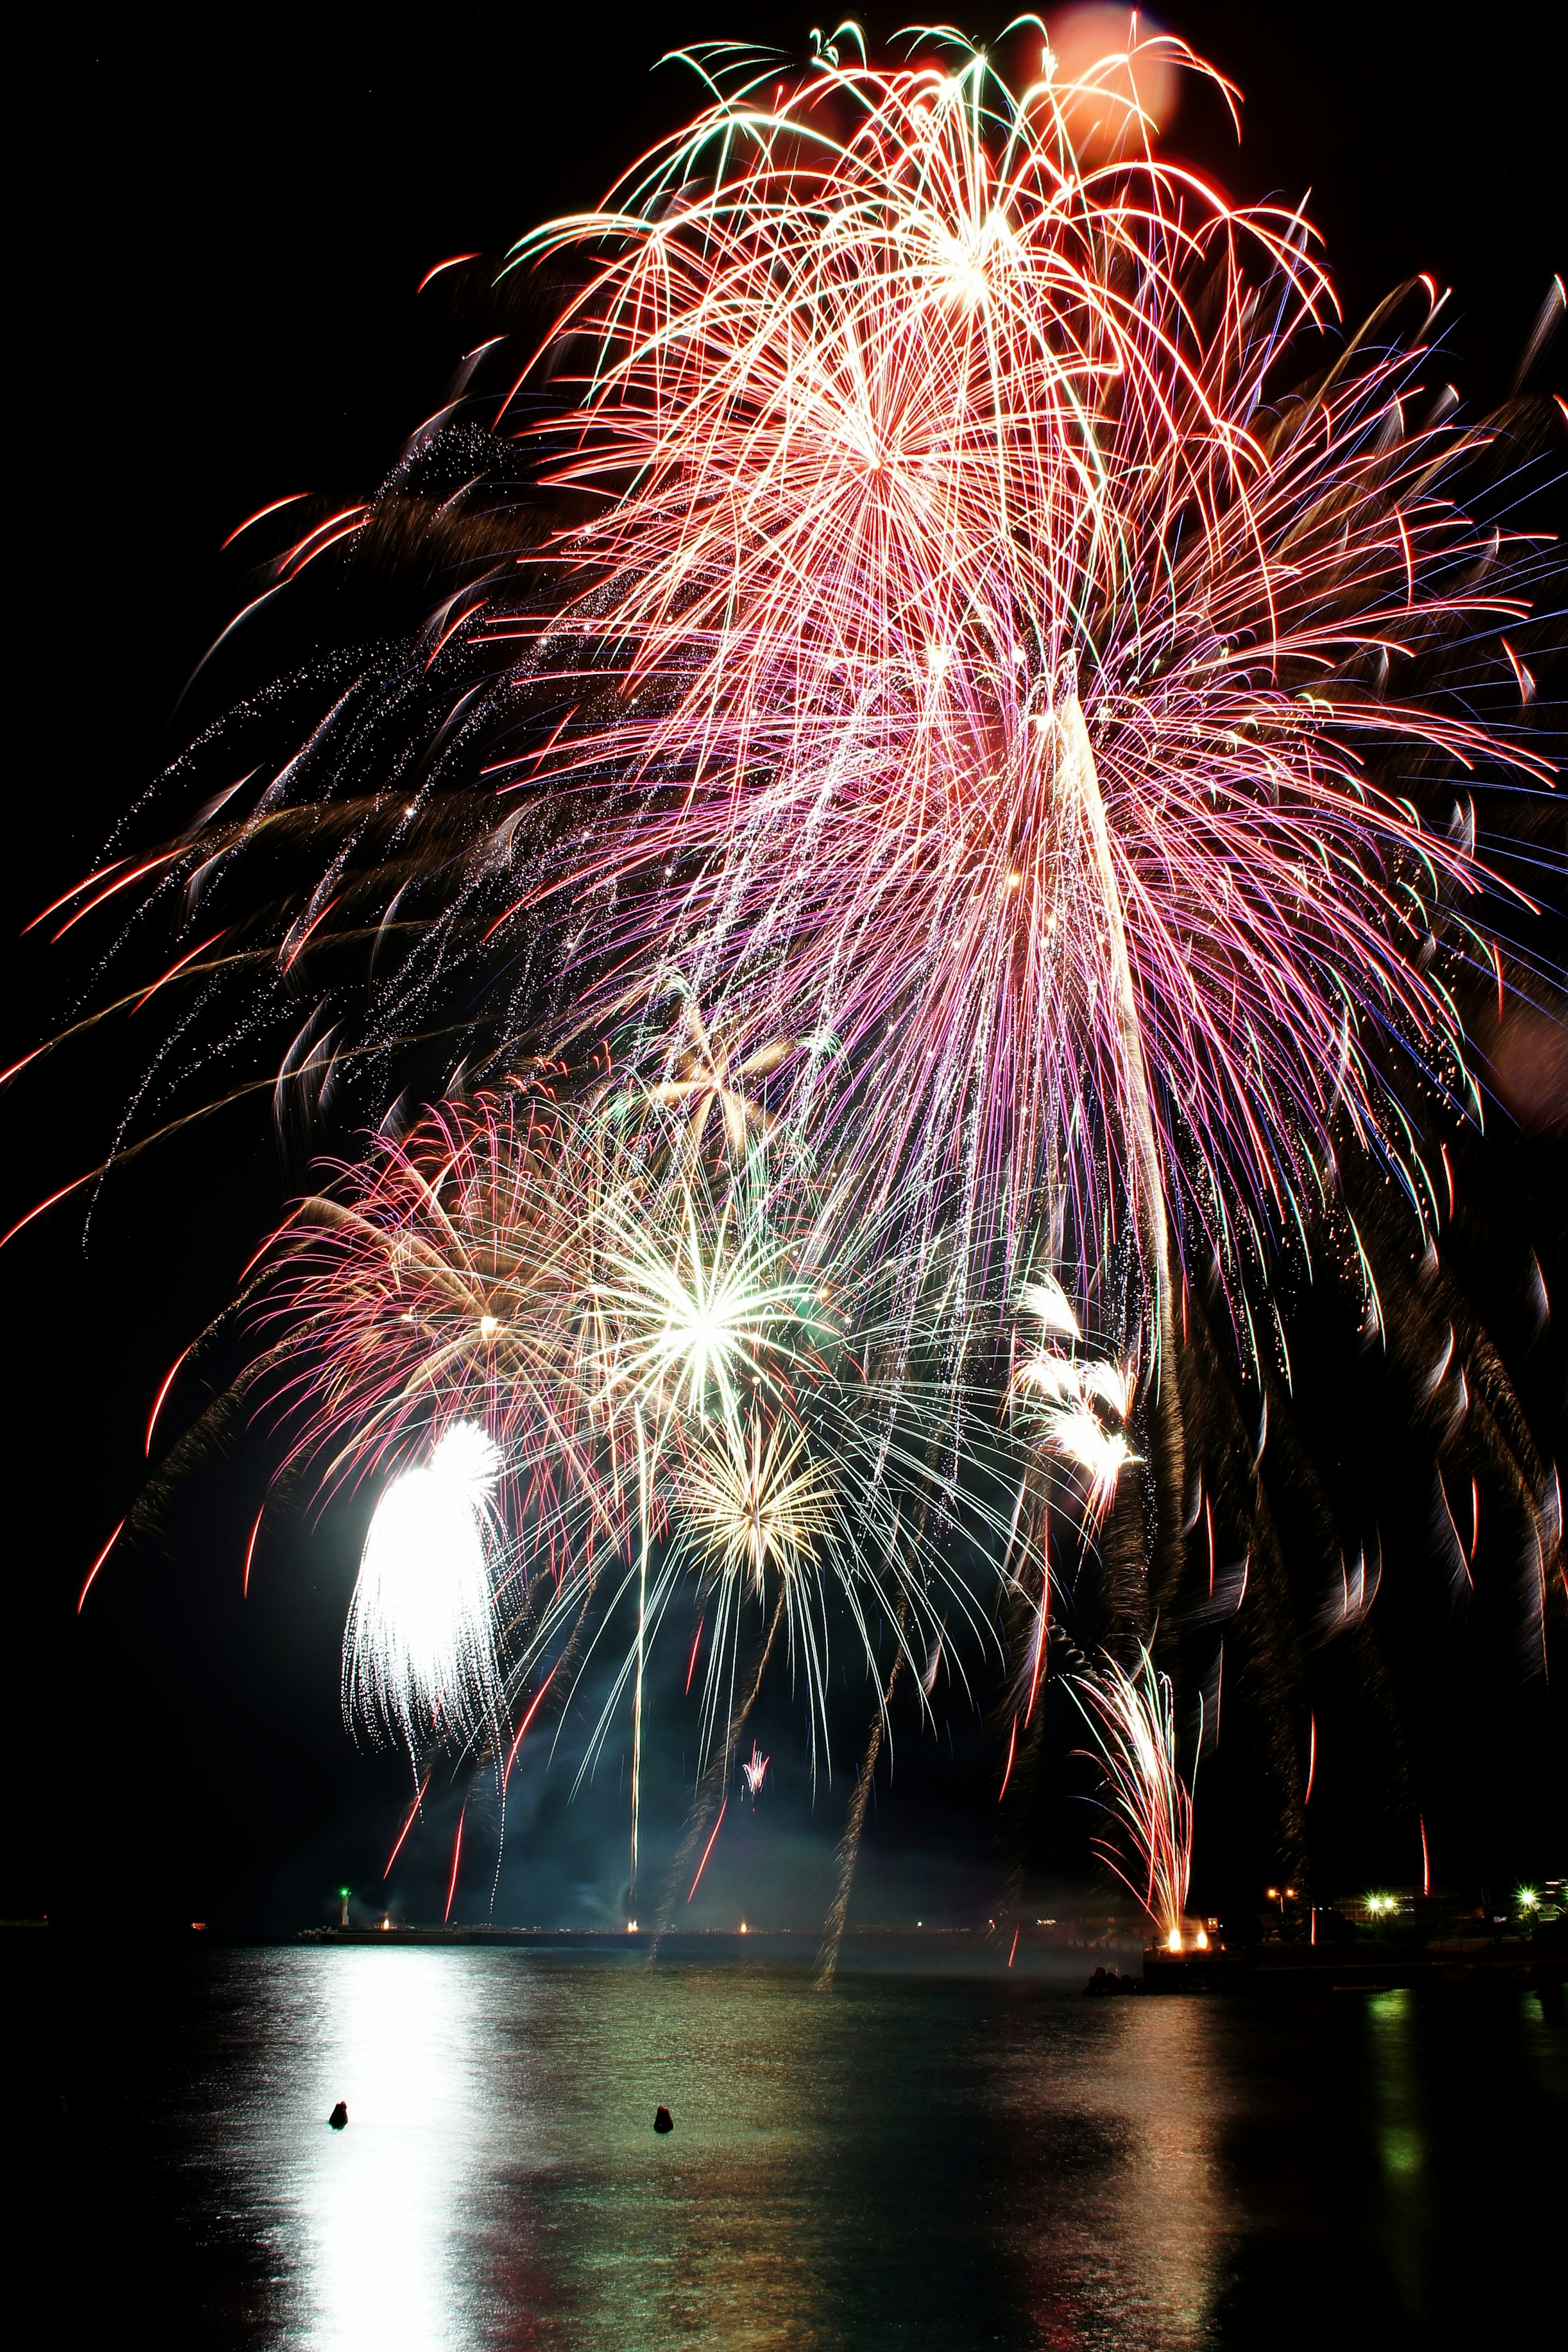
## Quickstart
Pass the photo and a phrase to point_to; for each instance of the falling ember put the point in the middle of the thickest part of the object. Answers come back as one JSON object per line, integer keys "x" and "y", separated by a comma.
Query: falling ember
{"x": 408, "y": 1824}
{"x": 534, "y": 1709}
{"x": 707, "y": 1850}
{"x": 1040, "y": 1639}
{"x": 97, "y": 1564}
{"x": 168, "y": 1383}
{"x": 250, "y": 1554}
{"x": 456, "y": 1857}
{"x": 453, "y": 261}
{"x": 1012, "y": 1751}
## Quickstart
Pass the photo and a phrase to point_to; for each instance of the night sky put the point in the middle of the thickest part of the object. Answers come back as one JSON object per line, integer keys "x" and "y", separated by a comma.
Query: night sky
{"x": 216, "y": 271}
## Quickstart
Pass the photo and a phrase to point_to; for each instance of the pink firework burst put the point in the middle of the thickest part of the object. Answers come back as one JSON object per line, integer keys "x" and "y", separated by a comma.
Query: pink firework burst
{"x": 1011, "y": 697}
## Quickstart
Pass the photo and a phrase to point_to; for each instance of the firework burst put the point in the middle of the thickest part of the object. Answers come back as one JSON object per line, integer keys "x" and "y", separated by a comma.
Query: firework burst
{"x": 1001, "y": 672}
{"x": 419, "y": 1651}
{"x": 978, "y": 646}
{"x": 1133, "y": 1723}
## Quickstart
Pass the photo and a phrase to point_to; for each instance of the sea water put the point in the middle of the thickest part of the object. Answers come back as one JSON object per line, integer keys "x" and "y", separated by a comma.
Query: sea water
{"x": 940, "y": 2162}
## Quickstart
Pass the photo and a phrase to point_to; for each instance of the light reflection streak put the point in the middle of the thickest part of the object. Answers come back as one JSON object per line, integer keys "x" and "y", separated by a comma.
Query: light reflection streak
{"x": 1134, "y": 2250}
{"x": 384, "y": 2210}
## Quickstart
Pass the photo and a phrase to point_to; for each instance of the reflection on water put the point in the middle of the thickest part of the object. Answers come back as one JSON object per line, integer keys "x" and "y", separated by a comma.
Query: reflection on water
{"x": 378, "y": 2217}
{"x": 941, "y": 2165}
{"x": 1398, "y": 2122}
{"x": 1121, "y": 2110}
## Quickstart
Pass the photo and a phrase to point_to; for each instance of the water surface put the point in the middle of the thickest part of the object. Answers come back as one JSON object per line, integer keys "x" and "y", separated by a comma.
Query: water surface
{"x": 907, "y": 2161}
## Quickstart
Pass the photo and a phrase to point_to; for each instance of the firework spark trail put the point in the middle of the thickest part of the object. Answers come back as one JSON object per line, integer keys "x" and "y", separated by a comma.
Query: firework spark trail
{"x": 645, "y": 1533}
{"x": 854, "y": 1823}
{"x": 1133, "y": 1723}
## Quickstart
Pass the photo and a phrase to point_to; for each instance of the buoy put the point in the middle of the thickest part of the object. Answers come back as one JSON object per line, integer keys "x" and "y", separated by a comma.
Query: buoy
{"x": 339, "y": 2116}
{"x": 662, "y": 2119}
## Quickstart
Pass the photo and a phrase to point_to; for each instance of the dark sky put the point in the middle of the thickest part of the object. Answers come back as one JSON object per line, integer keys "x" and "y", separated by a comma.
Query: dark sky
{"x": 212, "y": 278}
